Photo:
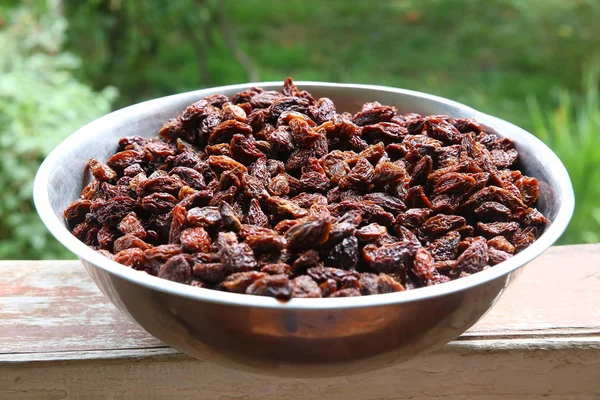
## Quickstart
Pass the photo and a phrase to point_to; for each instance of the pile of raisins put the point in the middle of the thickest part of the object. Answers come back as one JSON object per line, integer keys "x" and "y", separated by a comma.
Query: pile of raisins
{"x": 277, "y": 194}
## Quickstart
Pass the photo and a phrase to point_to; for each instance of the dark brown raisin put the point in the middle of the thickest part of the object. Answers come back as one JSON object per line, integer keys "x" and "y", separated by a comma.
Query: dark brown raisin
{"x": 176, "y": 269}
{"x": 308, "y": 233}
{"x": 278, "y": 286}
{"x": 474, "y": 258}
{"x": 305, "y": 286}
{"x": 240, "y": 281}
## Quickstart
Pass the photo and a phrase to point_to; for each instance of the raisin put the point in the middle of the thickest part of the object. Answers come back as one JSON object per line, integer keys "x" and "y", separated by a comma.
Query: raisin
{"x": 243, "y": 150}
{"x": 532, "y": 217}
{"x": 373, "y": 115}
{"x": 130, "y": 224}
{"x": 389, "y": 258}
{"x": 302, "y": 133}
{"x": 264, "y": 99}
{"x": 237, "y": 258}
{"x": 225, "y": 131}
{"x": 501, "y": 243}
{"x": 277, "y": 269}
{"x": 195, "y": 240}
{"x": 387, "y": 284}
{"x": 360, "y": 177}
{"x": 442, "y": 130}
{"x": 160, "y": 184}
{"x": 283, "y": 208}
{"x": 158, "y": 202}
{"x": 465, "y": 125}
{"x": 190, "y": 176}
{"x": 229, "y": 220}
{"x": 474, "y": 258}
{"x": 111, "y": 212}
{"x": 496, "y": 256}
{"x": 387, "y": 202}
{"x": 308, "y": 233}
{"x": 278, "y": 286}
{"x": 414, "y": 217}
{"x": 101, "y": 172}
{"x": 205, "y": 217}
{"x": 446, "y": 247}
{"x": 240, "y": 281}
{"x": 344, "y": 255}
{"x": 492, "y": 229}
{"x": 279, "y": 185}
{"x": 254, "y": 188}
{"x": 492, "y": 211}
{"x": 385, "y": 132}
{"x": 524, "y": 238}
{"x": 287, "y": 103}
{"x": 503, "y": 159}
{"x": 156, "y": 256}
{"x": 424, "y": 270}
{"x": 176, "y": 269}
{"x": 132, "y": 257}
{"x": 77, "y": 211}
{"x": 178, "y": 223}
{"x": 305, "y": 286}
{"x": 454, "y": 182}
{"x": 323, "y": 274}
{"x": 529, "y": 189}
{"x": 225, "y": 163}
{"x": 416, "y": 198}
{"x": 421, "y": 171}
{"x": 323, "y": 111}
{"x": 210, "y": 272}
{"x": 372, "y": 154}
{"x": 266, "y": 243}
{"x": 129, "y": 241}
{"x": 124, "y": 159}
{"x": 348, "y": 292}
{"x": 371, "y": 232}
{"x": 255, "y": 215}
{"x": 496, "y": 194}
{"x": 233, "y": 112}
{"x": 441, "y": 224}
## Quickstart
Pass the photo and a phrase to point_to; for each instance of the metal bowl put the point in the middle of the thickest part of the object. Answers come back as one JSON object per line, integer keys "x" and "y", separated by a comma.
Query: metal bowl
{"x": 303, "y": 337}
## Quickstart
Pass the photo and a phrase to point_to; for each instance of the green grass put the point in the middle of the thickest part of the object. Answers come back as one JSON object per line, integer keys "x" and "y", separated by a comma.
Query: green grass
{"x": 573, "y": 131}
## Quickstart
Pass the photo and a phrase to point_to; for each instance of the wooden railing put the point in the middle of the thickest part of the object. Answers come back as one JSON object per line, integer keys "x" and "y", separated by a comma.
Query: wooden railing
{"x": 60, "y": 338}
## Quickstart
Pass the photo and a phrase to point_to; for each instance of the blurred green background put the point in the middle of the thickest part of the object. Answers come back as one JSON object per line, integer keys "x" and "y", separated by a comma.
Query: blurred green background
{"x": 63, "y": 63}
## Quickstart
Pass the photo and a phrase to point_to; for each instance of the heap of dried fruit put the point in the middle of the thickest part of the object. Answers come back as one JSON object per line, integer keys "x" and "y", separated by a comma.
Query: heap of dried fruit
{"x": 277, "y": 194}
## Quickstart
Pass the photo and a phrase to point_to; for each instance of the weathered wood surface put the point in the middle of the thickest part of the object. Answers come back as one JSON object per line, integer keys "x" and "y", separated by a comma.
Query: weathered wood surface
{"x": 59, "y": 338}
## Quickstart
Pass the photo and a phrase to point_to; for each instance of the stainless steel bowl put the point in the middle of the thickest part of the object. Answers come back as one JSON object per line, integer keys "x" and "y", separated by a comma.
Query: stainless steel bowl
{"x": 304, "y": 337}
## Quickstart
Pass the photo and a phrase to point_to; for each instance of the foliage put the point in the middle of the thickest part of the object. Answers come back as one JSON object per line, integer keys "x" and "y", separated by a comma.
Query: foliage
{"x": 490, "y": 54}
{"x": 40, "y": 104}
{"x": 573, "y": 131}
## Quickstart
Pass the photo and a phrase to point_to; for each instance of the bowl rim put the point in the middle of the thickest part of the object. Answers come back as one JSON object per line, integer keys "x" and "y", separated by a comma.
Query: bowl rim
{"x": 57, "y": 228}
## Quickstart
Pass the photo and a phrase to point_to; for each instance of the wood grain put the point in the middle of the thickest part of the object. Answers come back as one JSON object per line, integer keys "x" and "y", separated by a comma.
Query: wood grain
{"x": 59, "y": 338}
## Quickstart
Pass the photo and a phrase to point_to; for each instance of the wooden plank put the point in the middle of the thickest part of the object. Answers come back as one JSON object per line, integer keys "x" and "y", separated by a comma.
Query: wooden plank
{"x": 59, "y": 338}
{"x": 54, "y": 306}
{"x": 456, "y": 372}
